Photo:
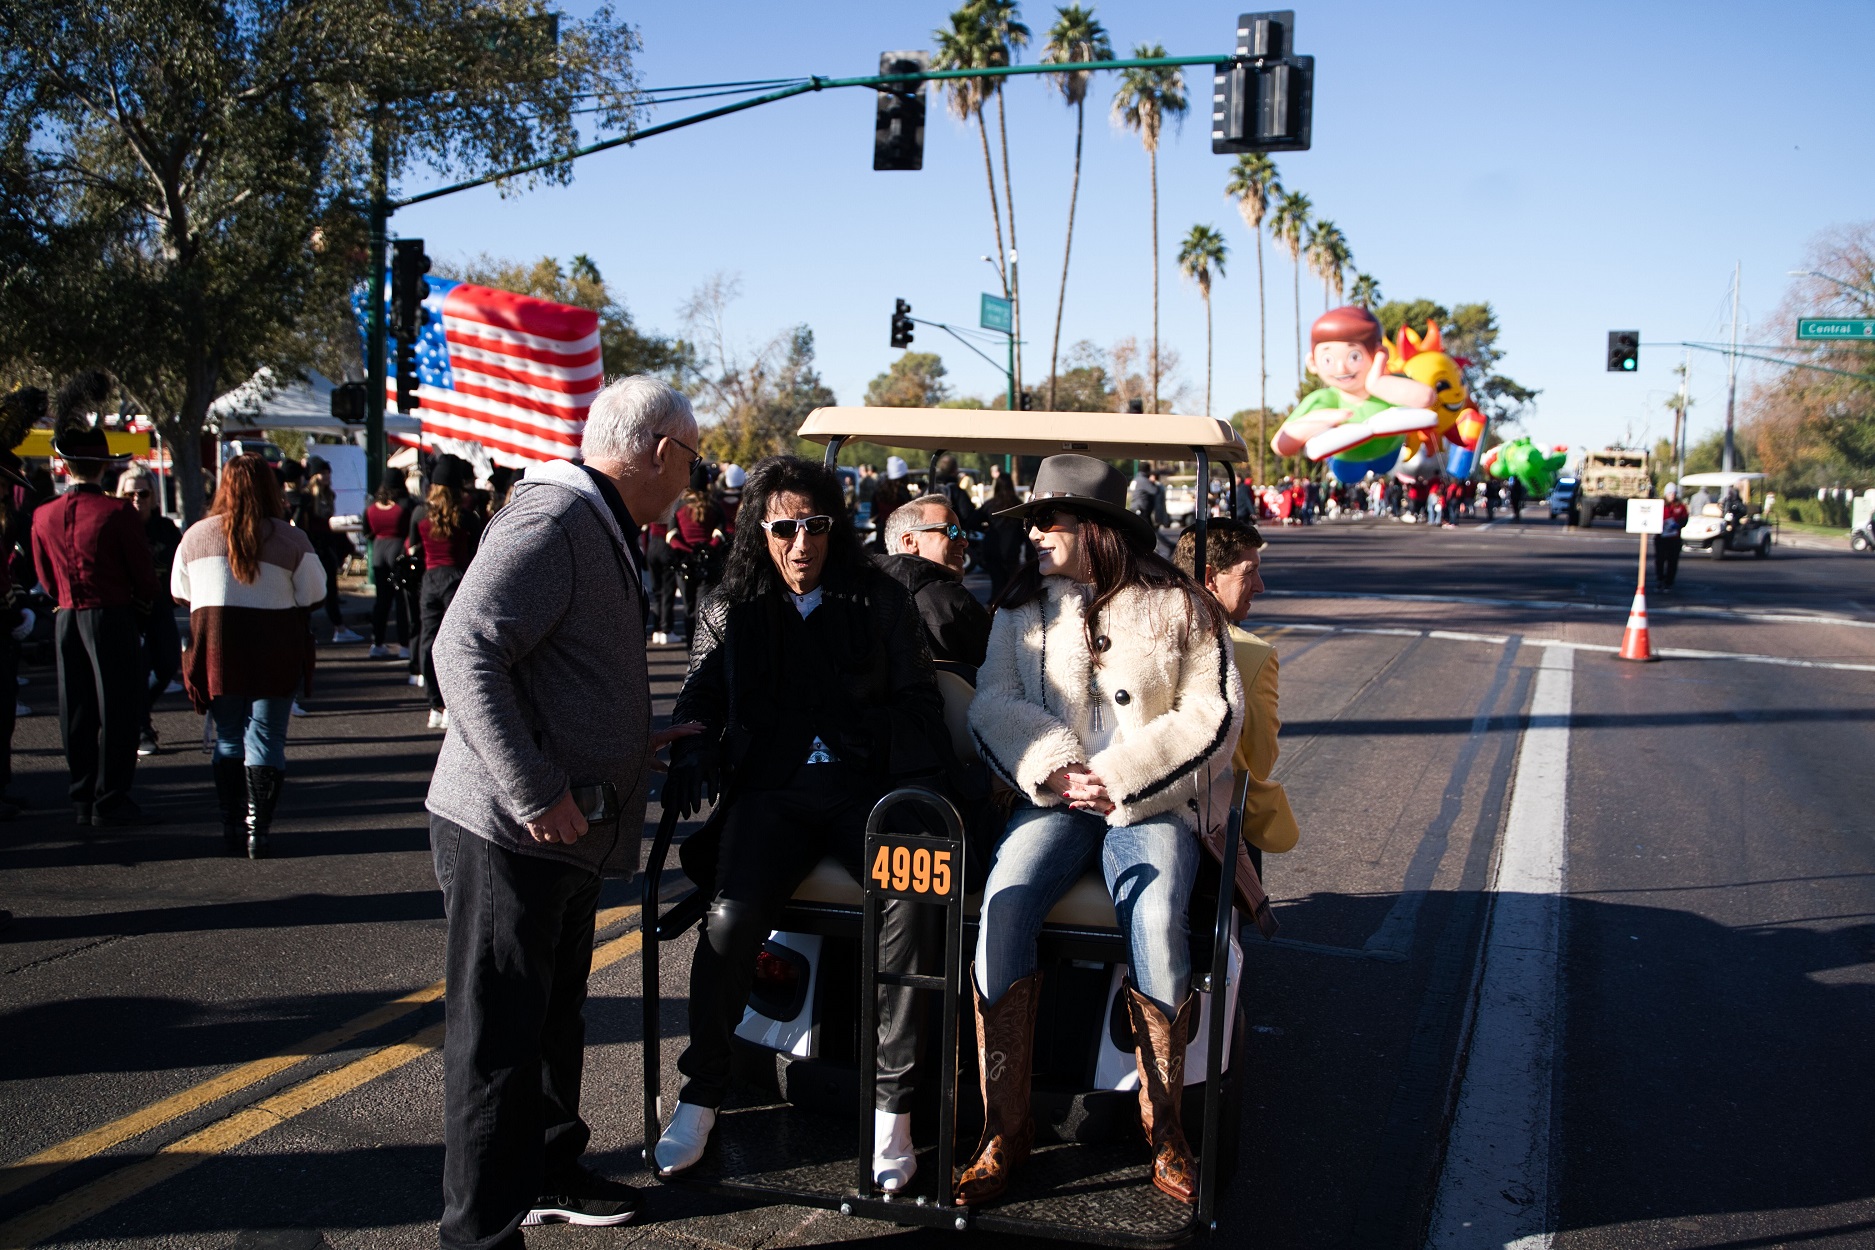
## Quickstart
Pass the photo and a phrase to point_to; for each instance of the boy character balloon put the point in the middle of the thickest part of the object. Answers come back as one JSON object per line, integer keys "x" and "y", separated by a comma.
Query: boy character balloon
{"x": 1424, "y": 359}
{"x": 1361, "y": 417}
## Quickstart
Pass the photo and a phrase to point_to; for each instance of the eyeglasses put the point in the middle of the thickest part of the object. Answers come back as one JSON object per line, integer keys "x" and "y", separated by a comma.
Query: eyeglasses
{"x": 1047, "y": 519}
{"x": 786, "y": 528}
{"x": 950, "y": 529}
{"x": 137, "y": 494}
{"x": 696, "y": 458}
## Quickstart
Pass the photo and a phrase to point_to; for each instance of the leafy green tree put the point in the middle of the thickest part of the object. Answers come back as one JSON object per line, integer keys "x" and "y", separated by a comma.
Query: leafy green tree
{"x": 1329, "y": 257}
{"x": 1086, "y": 383}
{"x": 914, "y": 380}
{"x": 1200, "y": 257}
{"x": 1148, "y": 97}
{"x": 182, "y": 181}
{"x": 1254, "y": 184}
{"x": 1289, "y": 226}
{"x": 625, "y": 348}
{"x": 1077, "y": 36}
{"x": 1395, "y": 313}
{"x": 1364, "y": 291}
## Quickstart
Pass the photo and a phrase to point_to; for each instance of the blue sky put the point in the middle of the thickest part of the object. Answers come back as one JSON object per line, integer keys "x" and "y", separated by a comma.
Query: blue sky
{"x": 1583, "y": 167}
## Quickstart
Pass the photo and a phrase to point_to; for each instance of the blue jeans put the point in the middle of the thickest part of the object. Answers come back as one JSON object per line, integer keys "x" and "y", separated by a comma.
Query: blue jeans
{"x": 1149, "y": 869}
{"x": 251, "y": 729}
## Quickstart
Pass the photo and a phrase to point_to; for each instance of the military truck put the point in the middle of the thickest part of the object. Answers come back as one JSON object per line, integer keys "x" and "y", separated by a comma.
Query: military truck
{"x": 1607, "y": 479}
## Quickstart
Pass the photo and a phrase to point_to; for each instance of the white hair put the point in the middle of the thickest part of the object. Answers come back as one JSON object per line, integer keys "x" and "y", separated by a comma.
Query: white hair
{"x": 909, "y": 516}
{"x": 628, "y": 418}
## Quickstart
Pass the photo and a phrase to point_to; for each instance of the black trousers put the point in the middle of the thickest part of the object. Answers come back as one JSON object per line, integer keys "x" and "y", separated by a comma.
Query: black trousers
{"x": 101, "y": 701}
{"x": 439, "y": 591}
{"x": 162, "y": 655}
{"x": 1667, "y": 558}
{"x": 390, "y": 602}
{"x": 9, "y": 708}
{"x": 333, "y": 551}
{"x": 662, "y": 563}
{"x": 520, "y": 949}
{"x": 771, "y": 841}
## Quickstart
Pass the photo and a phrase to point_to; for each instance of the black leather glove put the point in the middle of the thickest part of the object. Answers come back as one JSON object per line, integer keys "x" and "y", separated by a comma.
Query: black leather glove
{"x": 694, "y": 778}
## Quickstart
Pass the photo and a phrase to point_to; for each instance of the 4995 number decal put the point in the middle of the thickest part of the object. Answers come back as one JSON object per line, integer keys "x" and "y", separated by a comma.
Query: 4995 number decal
{"x": 911, "y": 868}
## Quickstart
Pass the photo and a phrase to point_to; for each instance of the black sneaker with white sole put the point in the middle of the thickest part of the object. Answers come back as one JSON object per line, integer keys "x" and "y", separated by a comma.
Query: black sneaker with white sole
{"x": 590, "y": 1211}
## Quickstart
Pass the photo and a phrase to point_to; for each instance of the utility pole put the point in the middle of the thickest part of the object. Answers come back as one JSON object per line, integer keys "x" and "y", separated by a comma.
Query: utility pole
{"x": 1731, "y": 377}
{"x": 1679, "y": 417}
{"x": 375, "y": 450}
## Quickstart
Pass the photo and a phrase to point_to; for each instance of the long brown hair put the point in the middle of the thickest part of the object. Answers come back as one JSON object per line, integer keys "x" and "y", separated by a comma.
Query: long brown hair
{"x": 445, "y": 512}
{"x": 246, "y": 498}
{"x": 1117, "y": 558}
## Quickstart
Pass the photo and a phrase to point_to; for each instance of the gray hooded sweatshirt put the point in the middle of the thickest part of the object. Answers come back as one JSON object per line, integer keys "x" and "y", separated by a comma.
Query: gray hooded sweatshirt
{"x": 542, "y": 663}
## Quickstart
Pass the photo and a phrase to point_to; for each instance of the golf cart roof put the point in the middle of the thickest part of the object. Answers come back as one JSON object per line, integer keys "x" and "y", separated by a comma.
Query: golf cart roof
{"x": 1103, "y": 435}
{"x": 1719, "y": 479}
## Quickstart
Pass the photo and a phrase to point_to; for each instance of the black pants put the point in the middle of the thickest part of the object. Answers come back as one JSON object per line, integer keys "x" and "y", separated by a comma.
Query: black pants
{"x": 162, "y": 656}
{"x": 9, "y": 707}
{"x": 390, "y": 602}
{"x": 101, "y": 701}
{"x": 520, "y": 949}
{"x": 662, "y": 563}
{"x": 334, "y": 550}
{"x": 439, "y": 591}
{"x": 697, "y": 588}
{"x": 771, "y": 841}
{"x": 1667, "y": 558}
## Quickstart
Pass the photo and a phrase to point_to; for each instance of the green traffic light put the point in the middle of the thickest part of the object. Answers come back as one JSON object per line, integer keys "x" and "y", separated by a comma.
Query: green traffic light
{"x": 1628, "y": 365}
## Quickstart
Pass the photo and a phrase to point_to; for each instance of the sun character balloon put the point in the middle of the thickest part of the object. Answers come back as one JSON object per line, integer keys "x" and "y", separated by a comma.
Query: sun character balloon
{"x": 1424, "y": 359}
{"x": 1528, "y": 463}
{"x": 1361, "y": 417}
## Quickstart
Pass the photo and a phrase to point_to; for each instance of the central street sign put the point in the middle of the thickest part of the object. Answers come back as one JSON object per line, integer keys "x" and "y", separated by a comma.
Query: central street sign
{"x": 1815, "y": 328}
{"x": 998, "y": 314}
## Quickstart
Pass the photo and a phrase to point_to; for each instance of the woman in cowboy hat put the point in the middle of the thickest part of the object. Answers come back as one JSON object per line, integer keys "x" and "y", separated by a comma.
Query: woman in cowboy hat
{"x": 1109, "y": 703}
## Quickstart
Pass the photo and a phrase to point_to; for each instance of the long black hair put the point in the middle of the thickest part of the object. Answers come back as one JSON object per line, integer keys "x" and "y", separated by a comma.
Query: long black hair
{"x": 750, "y": 570}
{"x": 1117, "y": 558}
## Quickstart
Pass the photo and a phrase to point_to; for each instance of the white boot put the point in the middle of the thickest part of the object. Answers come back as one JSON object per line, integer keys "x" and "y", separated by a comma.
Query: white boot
{"x": 683, "y": 1142}
{"x": 894, "y": 1161}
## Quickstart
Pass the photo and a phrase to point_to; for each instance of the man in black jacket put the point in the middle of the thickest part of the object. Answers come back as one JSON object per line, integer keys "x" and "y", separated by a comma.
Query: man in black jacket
{"x": 925, "y": 545}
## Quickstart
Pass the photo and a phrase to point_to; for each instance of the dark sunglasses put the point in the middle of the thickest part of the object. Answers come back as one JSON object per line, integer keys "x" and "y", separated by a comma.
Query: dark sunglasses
{"x": 1046, "y": 519}
{"x": 786, "y": 528}
{"x": 950, "y": 529}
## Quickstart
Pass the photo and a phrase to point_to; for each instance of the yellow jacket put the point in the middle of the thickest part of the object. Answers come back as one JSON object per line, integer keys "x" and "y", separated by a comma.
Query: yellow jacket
{"x": 1268, "y": 824}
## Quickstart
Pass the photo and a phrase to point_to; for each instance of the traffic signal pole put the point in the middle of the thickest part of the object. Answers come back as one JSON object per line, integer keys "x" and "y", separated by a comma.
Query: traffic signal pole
{"x": 376, "y": 451}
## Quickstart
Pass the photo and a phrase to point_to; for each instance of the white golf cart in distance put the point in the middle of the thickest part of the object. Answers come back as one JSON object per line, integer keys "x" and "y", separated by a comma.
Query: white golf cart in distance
{"x": 798, "y": 1128}
{"x": 1712, "y": 530}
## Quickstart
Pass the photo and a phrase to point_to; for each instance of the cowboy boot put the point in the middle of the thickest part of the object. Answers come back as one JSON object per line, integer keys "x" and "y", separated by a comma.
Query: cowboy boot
{"x": 231, "y": 797}
{"x": 1005, "y": 1060}
{"x": 1159, "y": 1047}
{"x": 263, "y": 792}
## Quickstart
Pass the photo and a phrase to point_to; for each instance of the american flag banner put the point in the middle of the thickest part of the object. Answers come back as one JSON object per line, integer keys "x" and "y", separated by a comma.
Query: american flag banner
{"x": 510, "y": 374}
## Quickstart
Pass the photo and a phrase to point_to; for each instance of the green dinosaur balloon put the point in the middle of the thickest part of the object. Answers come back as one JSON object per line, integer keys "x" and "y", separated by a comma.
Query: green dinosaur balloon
{"x": 1528, "y": 463}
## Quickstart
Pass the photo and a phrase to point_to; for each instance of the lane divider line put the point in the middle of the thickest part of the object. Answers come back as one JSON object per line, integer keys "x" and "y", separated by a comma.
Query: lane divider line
{"x": 239, "y": 1127}
{"x": 37, "y": 1167}
{"x": 1674, "y": 653}
{"x": 1494, "y": 1179}
{"x": 1565, "y": 605}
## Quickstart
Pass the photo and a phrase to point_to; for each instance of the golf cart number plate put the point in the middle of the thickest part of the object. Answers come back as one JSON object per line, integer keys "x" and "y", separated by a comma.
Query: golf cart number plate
{"x": 922, "y": 869}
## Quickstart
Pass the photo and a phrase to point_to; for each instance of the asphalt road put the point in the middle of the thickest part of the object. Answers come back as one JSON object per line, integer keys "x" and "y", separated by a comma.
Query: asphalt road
{"x": 1572, "y": 948}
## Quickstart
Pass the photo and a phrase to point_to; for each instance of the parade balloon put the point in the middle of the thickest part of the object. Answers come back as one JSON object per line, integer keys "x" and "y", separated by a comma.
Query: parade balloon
{"x": 1524, "y": 461}
{"x": 1365, "y": 413}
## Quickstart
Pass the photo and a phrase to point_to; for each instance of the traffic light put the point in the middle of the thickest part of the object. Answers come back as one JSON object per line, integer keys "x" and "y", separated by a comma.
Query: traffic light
{"x": 1028, "y": 400}
{"x": 1624, "y": 351}
{"x": 348, "y": 402}
{"x": 407, "y": 380}
{"x": 1265, "y": 102}
{"x": 901, "y": 325}
{"x": 898, "y": 128}
{"x": 408, "y": 289}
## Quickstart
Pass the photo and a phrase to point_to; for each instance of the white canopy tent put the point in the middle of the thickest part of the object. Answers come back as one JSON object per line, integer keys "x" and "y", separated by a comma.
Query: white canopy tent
{"x": 264, "y": 403}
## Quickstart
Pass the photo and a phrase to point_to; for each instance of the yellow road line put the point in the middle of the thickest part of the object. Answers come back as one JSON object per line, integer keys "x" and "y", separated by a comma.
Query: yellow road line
{"x": 37, "y": 1167}
{"x": 243, "y": 1126}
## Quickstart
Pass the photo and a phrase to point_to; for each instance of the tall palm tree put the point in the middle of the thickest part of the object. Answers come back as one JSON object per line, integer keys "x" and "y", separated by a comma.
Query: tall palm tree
{"x": 1202, "y": 252}
{"x": 1253, "y": 184}
{"x": 1365, "y": 291}
{"x": 1147, "y": 97}
{"x": 1076, "y": 36}
{"x": 1003, "y": 33}
{"x": 966, "y": 45}
{"x": 1328, "y": 257}
{"x": 1289, "y": 226}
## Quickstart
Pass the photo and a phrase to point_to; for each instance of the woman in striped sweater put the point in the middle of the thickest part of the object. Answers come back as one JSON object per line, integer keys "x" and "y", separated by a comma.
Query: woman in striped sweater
{"x": 249, "y": 580}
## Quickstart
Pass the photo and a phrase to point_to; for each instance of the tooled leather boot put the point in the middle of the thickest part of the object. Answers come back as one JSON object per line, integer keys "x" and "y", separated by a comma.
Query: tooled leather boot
{"x": 1005, "y": 1059}
{"x": 1159, "y": 1048}
{"x": 231, "y": 797}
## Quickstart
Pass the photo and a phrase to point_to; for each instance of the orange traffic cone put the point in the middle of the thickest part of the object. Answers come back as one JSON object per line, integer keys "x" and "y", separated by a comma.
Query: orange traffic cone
{"x": 1634, "y": 644}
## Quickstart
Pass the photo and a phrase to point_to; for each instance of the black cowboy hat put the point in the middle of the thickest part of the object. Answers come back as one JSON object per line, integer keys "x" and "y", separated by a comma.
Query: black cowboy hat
{"x": 1085, "y": 485}
{"x": 85, "y": 443}
{"x": 453, "y": 472}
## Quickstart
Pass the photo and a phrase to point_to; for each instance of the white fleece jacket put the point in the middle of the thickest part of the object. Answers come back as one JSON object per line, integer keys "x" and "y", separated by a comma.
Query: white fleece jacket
{"x": 1165, "y": 686}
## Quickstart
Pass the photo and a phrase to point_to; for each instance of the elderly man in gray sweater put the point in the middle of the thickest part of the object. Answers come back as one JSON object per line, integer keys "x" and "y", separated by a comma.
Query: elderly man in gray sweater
{"x": 540, "y": 792}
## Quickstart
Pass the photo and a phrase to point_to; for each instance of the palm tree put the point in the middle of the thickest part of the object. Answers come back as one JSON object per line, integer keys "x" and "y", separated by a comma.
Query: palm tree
{"x": 1203, "y": 251}
{"x": 1365, "y": 291}
{"x": 1253, "y": 184}
{"x": 1329, "y": 257}
{"x": 966, "y": 45}
{"x": 1289, "y": 226}
{"x": 1076, "y": 36}
{"x": 1147, "y": 97}
{"x": 1003, "y": 34}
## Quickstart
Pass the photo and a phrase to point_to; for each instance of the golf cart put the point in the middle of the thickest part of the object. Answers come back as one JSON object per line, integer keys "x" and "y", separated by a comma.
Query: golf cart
{"x": 798, "y": 1128}
{"x": 1715, "y": 530}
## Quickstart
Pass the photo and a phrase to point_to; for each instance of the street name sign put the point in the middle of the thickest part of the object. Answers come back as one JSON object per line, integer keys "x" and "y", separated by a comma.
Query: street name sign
{"x": 1646, "y": 516}
{"x": 1824, "y": 328}
{"x": 998, "y": 314}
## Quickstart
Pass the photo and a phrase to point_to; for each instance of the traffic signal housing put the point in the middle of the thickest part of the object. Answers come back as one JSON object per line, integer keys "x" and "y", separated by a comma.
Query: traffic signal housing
{"x": 901, "y": 324}
{"x": 1265, "y": 101}
{"x": 407, "y": 380}
{"x": 1624, "y": 351}
{"x": 408, "y": 289}
{"x": 898, "y": 127}
{"x": 348, "y": 402}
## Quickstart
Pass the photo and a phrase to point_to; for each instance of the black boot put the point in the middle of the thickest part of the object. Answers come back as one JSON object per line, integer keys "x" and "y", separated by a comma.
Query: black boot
{"x": 263, "y": 792}
{"x": 231, "y": 797}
